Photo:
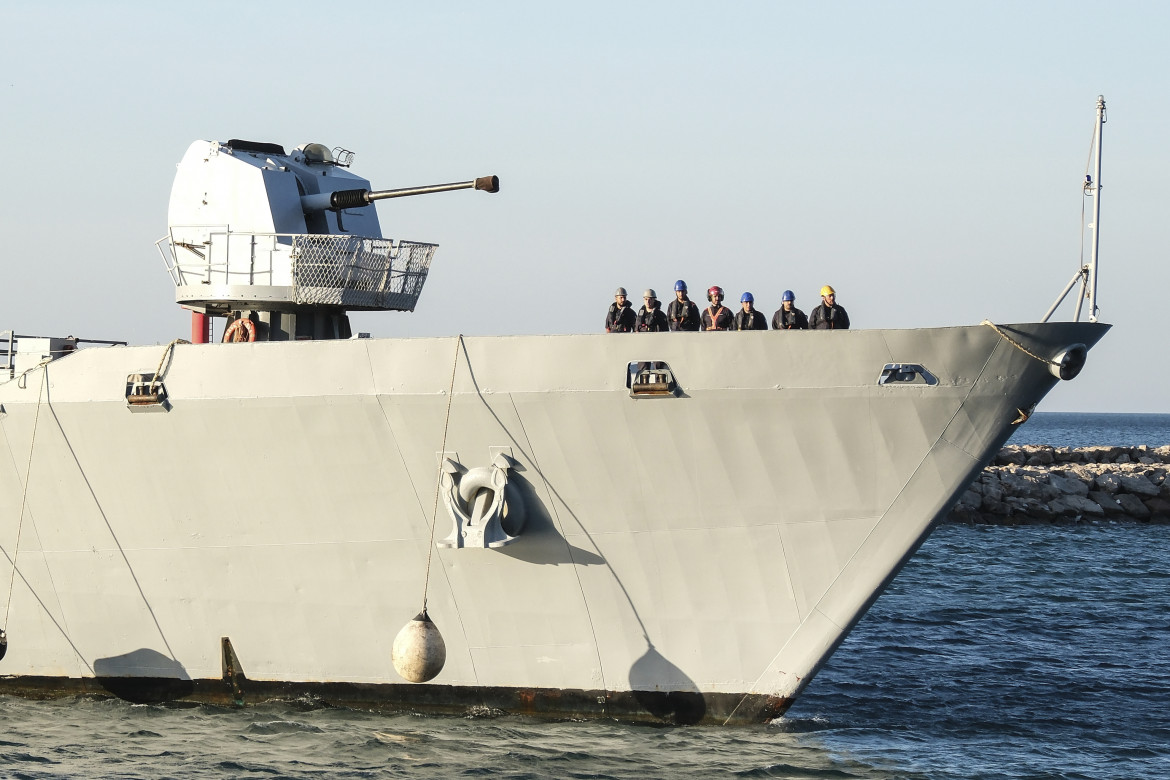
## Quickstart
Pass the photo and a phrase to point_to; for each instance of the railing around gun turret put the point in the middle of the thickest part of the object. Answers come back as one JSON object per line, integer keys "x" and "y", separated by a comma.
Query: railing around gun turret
{"x": 214, "y": 263}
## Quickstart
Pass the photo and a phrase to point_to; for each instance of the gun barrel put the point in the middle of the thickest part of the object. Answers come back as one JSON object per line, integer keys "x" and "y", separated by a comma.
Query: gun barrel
{"x": 346, "y": 199}
{"x": 485, "y": 183}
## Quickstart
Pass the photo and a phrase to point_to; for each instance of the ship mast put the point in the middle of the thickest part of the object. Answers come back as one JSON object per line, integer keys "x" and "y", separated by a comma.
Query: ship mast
{"x": 1087, "y": 274}
{"x": 1096, "y": 208}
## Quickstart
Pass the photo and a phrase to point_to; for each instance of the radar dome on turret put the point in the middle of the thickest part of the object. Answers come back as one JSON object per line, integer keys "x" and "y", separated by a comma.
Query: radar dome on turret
{"x": 316, "y": 153}
{"x": 320, "y": 154}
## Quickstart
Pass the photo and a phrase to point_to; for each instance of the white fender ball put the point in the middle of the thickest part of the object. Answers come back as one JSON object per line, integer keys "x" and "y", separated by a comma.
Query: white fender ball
{"x": 419, "y": 651}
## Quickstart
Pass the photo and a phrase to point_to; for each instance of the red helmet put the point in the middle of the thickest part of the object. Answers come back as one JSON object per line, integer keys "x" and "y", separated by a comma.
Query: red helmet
{"x": 713, "y": 291}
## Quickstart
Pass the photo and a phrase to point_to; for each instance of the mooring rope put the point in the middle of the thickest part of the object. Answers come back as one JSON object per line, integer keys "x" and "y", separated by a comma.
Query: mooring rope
{"x": 439, "y": 476}
{"x": 1018, "y": 345}
{"x": 167, "y": 352}
{"x": 24, "y": 493}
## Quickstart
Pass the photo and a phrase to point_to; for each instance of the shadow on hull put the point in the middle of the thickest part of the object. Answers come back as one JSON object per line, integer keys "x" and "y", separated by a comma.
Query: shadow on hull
{"x": 683, "y": 706}
{"x": 121, "y": 676}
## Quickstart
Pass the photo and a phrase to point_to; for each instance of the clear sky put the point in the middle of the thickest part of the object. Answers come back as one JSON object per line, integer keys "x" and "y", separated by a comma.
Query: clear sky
{"x": 924, "y": 158}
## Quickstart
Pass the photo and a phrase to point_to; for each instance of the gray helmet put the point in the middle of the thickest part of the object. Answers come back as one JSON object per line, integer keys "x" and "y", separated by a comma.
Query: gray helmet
{"x": 620, "y": 291}
{"x": 649, "y": 293}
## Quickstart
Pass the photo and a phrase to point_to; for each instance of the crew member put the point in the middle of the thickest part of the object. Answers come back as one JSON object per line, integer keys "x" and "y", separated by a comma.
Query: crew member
{"x": 651, "y": 318}
{"x": 717, "y": 316}
{"x": 621, "y": 317}
{"x": 749, "y": 318}
{"x": 828, "y": 316}
{"x": 682, "y": 312}
{"x": 788, "y": 317}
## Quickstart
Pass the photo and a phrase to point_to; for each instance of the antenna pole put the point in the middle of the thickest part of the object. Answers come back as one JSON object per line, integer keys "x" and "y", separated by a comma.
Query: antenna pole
{"x": 1092, "y": 281}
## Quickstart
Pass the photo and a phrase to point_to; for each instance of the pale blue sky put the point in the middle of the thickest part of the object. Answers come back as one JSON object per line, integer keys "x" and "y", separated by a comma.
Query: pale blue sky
{"x": 924, "y": 158}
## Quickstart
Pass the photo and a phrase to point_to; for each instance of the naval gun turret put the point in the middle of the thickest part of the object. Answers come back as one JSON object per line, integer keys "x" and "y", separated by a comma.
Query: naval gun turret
{"x": 286, "y": 243}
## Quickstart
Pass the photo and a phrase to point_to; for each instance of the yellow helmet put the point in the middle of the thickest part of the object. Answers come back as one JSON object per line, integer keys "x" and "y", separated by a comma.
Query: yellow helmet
{"x": 827, "y": 290}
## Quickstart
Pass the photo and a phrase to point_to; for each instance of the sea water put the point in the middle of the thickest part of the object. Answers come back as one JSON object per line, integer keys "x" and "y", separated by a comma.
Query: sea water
{"x": 998, "y": 652}
{"x": 1071, "y": 429}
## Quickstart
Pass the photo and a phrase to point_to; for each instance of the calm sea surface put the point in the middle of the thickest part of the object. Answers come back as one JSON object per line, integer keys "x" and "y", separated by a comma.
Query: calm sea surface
{"x": 1025, "y": 652}
{"x": 1068, "y": 429}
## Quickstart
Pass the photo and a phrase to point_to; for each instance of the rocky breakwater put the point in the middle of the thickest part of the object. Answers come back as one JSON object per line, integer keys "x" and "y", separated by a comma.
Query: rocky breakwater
{"x": 1039, "y": 484}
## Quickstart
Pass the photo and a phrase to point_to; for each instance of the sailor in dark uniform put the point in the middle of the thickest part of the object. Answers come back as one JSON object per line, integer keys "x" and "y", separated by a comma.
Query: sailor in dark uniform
{"x": 828, "y": 316}
{"x": 788, "y": 317}
{"x": 717, "y": 316}
{"x": 621, "y": 317}
{"x": 682, "y": 312}
{"x": 651, "y": 317}
{"x": 749, "y": 318}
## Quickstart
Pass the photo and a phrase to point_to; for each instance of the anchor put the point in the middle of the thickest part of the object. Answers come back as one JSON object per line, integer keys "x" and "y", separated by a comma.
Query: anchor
{"x": 486, "y": 509}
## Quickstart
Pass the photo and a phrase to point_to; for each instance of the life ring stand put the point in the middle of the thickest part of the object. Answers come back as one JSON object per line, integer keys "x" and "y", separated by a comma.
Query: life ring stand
{"x": 239, "y": 331}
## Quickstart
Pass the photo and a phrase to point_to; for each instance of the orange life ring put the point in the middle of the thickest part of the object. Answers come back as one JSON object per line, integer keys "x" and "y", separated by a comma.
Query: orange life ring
{"x": 240, "y": 330}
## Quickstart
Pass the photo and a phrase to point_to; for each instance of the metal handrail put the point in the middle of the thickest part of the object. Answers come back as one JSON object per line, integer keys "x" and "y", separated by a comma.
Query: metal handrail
{"x": 359, "y": 270}
{"x": 9, "y": 339}
{"x": 10, "y": 352}
{"x": 208, "y": 266}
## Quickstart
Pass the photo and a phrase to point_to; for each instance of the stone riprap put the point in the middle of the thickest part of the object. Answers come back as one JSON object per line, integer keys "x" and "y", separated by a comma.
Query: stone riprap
{"x": 1039, "y": 484}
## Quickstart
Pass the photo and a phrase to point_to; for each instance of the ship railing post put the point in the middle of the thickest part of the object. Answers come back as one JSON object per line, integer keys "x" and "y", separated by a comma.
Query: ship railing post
{"x": 9, "y": 366}
{"x": 209, "y": 273}
{"x": 227, "y": 257}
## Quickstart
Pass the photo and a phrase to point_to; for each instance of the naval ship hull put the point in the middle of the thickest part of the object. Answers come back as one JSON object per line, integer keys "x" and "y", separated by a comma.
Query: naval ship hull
{"x": 689, "y": 557}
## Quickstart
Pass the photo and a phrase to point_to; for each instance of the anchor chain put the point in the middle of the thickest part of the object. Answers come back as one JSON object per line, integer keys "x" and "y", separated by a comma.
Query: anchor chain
{"x": 1019, "y": 346}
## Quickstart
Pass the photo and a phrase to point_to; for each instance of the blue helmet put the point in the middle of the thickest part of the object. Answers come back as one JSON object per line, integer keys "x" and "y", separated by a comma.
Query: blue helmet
{"x": 747, "y": 298}
{"x": 787, "y": 296}
{"x": 680, "y": 286}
